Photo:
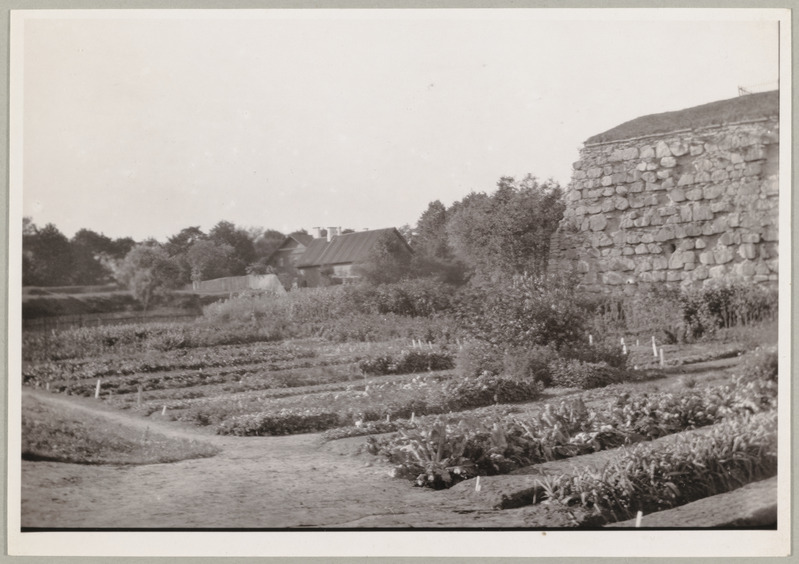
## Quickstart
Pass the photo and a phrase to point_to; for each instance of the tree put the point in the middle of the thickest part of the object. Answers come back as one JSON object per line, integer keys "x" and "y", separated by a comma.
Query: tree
{"x": 88, "y": 250}
{"x": 47, "y": 256}
{"x": 507, "y": 232}
{"x": 148, "y": 272}
{"x": 387, "y": 261}
{"x": 208, "y": 260}
{"x": 226, "y": 233}
{"x": 267, "y": 243}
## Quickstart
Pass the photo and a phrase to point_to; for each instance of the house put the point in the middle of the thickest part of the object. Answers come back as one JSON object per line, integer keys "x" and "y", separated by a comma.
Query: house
{"x": 289, "y": 251}
{"x": 332, "y": 259}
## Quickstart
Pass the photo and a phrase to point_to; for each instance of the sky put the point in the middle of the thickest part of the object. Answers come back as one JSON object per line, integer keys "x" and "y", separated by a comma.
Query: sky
{"x": 141, "y": 124}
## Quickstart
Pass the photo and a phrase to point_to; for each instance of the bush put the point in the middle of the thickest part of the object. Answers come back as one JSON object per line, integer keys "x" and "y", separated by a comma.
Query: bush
{"x": 531, "y": 364}
{"x": 574, "y": 373}
{"x": 727, "y": 305}
{"x": 478, "y": 357}
{"x": 410, "y": 362}
{"x": 522, "y": 312}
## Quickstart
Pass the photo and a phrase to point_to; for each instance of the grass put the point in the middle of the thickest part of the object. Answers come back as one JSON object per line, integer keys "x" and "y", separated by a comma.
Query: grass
{"x": 57, "y": 435}
{"x": 754, "y": 106}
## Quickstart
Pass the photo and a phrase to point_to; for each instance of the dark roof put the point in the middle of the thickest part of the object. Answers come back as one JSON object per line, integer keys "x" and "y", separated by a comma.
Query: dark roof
{"x": 742, "y": 108}
{"x": 302, "y": 238}
{"x": 343, "y": 249}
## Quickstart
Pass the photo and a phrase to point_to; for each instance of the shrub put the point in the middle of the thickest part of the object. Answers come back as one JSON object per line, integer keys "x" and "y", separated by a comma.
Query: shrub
{"x": 761, "y": 364}
{"x": 522, "y": 312}
{"x": 727, "y": 305}
{"x": 531, "y": 364}
{"x": 409, "y": 362}
{"x": 574, "y": 373}
{"x": 478, "y": 357}
{"x": 468, "y": 393}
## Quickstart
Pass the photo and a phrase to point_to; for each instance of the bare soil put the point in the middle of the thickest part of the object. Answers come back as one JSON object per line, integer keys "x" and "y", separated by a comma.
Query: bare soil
{"x": 257, "y": 483}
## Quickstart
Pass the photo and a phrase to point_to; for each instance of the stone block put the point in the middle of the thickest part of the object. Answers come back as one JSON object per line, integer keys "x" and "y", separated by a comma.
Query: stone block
{"x": 662, "y": 150}
{"x": 755, "y": 153}
{"x": 615, "y": 156}
{"x": 665, "y": 233}
{"x": 627, "y": 251}
{"x": 607, "y": 170}
{"x": 693, "y": 230}
{"x": 649, "y": 177}
{"x": 664, "y": 173}
{"x": 668, "y": 162}
{"x": 636, "y": 187}
{"x": 771, "y": 234}
{"x": 578, "y": 165}
{"x": 750, "y": 237}
{"x": 674, "y": 275}
{"x": 603, "y": 240}
{"x": 578, "y": 175}
{"x": 701, "y": 212}
{"x": 613, "y": 278}
{"x": 646, "y": 152}
{"x": 608, "y": 191}
{"x": 703, "y": 165}
{"x": 641, "y": 249}
{"x": 594, "y": 208}
{"x": 641, "y": 167}
{"x": 707, "y": 258}
{"x": 726, "y": 239}
{"x": 685, "y": 179}
{"x": 700, "y": 243}
{"x": 621, "y": 190}
{"x": 736, "y": 158}
{"x": 659, "y": 276}
{"x": 747, "y": 251}
{"x": 701, "y": 177}
{"x": 746, "y": 268}
{"x": 676, "y": 260}
{"x": 619, "y": 177}
{"x": 712, "y": 192}
{"x": 771, "y": 186}
{"x": 677, "y": 195}
{"x": 701, "y": 272}
{"x": 678, "y": 148}
{"x": 696, "y": 150}
{"x": 653, "y": 186}
{"x": 719, "y": 206}
{"x": 686, "y": 245}
{"x": 753, "y": 169}
{"x": 773, "y": 265}
{"x": 734, "y": 219}
{"x": 644, "y": 265}
{"x": 647, "y": 238}
{"x": 636, "y": 202}
{"x": 646, "y": 277}
{"x": 630, "y": 153}
{"x": 594, "y": 172}
{"x": 656, "y": 249}
{"x": 719, "y": 176}
{"x": 758, "y": 278}
{"x": 651, "y": 166}
{"x": 585, "y": 224}
{"x": 689, "y": 266}
{"x": 667, "y": 184}
{"x": 694, "y": 194}
{"x": 574, "y": 195}
{"x": 686, "y": 213}
{"x": 762, "y": 268}
{"x": 722, "y": 255}
{"x": 607, "y": 180}
{"x": 622, "y": 204}
{"x": 608, "y": 205}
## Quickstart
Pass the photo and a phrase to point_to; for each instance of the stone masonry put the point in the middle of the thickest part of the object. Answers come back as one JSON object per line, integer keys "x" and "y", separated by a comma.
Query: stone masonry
{"x": 688, "y": 207}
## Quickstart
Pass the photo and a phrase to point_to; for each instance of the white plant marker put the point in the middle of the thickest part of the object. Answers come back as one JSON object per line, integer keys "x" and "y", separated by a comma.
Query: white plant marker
{"x": 413, "y": 416}
{"x": 163, "y": 411}
{"x": 138, "y": 396}
{"x": 388, "y": 418}
{"x": 477, "y": 486}
{"x": 590, "y": 339}
{"x": 638, "y": 519}
{"x": 662, "y": 361}
{"x": 623, "y": 348}
{"x": 654, "y": 347}
{"x": 622, "y": 341}
{"x": 430, "y": 345}
{"x": 97, "y": 390}
{"x": 637, "y": 343}
{"x": 47, "y": 386}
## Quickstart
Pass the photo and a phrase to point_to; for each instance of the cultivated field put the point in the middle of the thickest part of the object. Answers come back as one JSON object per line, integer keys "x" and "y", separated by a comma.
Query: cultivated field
{"x": 157, "y": 426}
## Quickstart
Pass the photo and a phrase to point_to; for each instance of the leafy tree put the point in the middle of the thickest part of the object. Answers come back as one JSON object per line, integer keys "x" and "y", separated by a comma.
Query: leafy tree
{"x": 267, "y": 243}
{"x": 388, "y": 261}
{"x": 208, "y": 260}
{"x": 88, "y": 250}
{"x": 507, "y": 232}
{"x": 433, "y": 255}
{"x": 226, "y": 233}
{"x": 148, "y": 272}
{"x": 47, "y": 256}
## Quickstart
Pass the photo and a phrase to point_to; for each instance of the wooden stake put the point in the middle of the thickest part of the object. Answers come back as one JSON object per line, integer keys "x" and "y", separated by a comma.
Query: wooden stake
{"x": 413, "y": 415}
{"x": 623, "y": 348}
{"x": 477, "y": 486}
{"x": 637, "y": 343}
{"x": 654, "y": 347}
{"x": 638, "y": 520}
{"x": 662, "y": 361}
{"x": 97, "y": 390}
{"x": 388, "y": 418}
{"x": 590, "y": 339}
{"x": 163, "y": 411}
{"x": 622, "y": 341}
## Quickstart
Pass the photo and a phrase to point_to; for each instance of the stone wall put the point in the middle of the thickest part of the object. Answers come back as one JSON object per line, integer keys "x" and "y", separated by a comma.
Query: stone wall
{"x": 686, "y": 207}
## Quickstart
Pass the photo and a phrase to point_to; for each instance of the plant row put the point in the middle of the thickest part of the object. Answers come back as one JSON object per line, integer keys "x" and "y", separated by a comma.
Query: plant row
{"x": 438, "y": 455}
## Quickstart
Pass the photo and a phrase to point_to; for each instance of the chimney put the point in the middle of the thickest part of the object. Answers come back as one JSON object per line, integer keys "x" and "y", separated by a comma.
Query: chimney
{"x": 332, "y": 232}
{"x": 316, "y": 232}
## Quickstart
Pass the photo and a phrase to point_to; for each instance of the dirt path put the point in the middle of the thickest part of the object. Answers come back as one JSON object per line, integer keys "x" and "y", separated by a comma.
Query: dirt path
{"x": 255, "y": 482}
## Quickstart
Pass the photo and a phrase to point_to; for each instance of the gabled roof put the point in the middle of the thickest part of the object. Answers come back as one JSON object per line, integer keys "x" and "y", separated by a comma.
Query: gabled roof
{"x": 302, "y": 238}
{"x": 344, "y": 249}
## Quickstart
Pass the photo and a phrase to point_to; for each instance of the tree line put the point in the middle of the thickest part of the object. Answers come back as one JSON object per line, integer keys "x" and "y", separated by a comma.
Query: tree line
{"x": 484, "y": 236}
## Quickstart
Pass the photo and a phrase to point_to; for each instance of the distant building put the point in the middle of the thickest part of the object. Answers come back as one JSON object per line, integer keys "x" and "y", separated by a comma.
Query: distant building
{"x": 331, "y": 259}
